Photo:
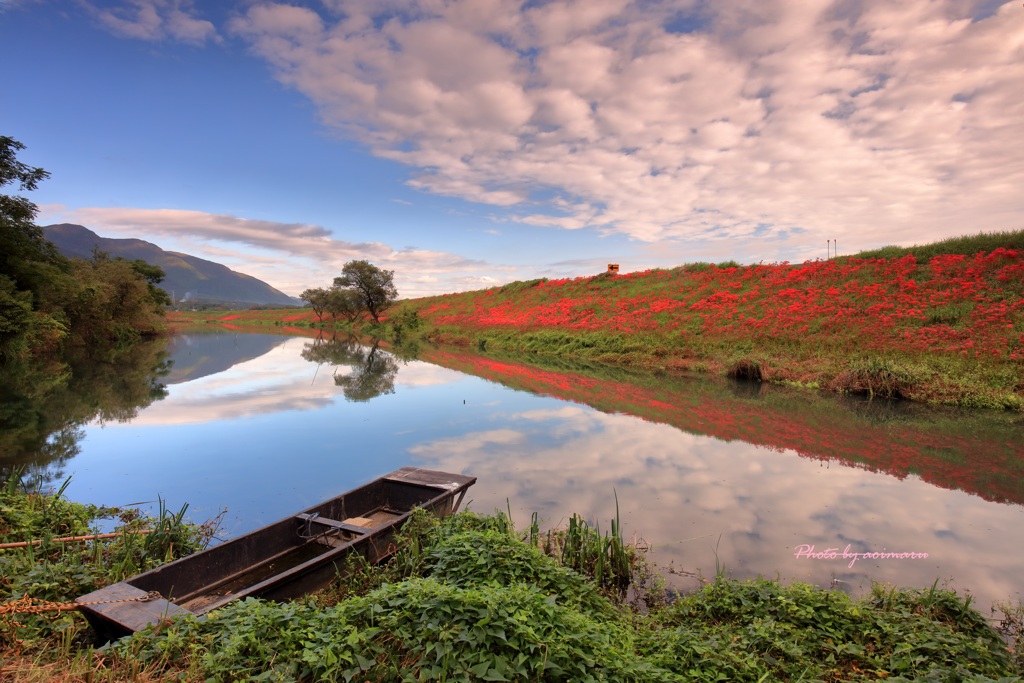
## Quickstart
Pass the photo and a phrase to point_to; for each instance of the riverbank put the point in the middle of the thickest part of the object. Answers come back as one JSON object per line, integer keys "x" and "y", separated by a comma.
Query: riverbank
{"x": 947, "y": 330}
{"x": 473, "y": 599}
{"x": 940, "y": 327}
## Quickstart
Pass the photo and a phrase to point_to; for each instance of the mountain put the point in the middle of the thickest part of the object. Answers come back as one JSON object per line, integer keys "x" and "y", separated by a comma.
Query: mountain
{"x": 194, "y": 356}
{"x": 188, "y": 279}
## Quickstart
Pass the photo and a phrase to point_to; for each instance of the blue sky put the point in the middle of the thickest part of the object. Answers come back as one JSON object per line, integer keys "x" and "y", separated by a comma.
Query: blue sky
{"x": 466, "y": 143}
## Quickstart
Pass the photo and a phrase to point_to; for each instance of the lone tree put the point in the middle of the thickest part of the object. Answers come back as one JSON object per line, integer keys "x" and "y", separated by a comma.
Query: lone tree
{"x": 317, "y": 299}
{"x": 348, "y": 303}
{"x": 376, "y": 287}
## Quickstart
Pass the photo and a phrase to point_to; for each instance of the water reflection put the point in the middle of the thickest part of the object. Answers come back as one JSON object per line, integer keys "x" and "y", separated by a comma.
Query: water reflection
{"x": 197, "y": 355}
{"x": 701, "y": 502}
{"x": 978, "y": 452}
{"x": 44, "y": 405}
{"x": 753, "y": 472}
{"x": 708, "y": 473}
{"x": 373, "y": 370}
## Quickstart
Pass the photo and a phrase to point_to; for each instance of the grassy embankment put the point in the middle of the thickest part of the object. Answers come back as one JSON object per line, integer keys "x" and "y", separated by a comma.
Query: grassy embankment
{"x": 50, "y": 645}
{"x": 979, "y": 452}
{"x": 471, "y": 599}
{"x": 941, "y": 323}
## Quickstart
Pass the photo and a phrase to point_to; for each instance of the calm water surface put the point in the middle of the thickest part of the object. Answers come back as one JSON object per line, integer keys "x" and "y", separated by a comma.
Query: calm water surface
{"x": 706, "y": 474}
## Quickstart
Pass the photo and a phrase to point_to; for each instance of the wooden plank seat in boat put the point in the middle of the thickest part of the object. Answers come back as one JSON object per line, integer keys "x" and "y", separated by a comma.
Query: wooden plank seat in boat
{"x": 357, "y": 528}
{"x": 283, "y": 560}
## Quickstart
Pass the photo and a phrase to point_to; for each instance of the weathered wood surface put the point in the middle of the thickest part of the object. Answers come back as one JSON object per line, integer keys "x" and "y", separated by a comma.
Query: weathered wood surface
{"x": 134, "y": 615}
{"x": 283, "y": 560}
{"x": 433, "y": 478}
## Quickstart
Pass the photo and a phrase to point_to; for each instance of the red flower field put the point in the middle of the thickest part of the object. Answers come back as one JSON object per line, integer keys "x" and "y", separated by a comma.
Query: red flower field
{"x": 986, "y": 459}
{"x": 968, "y": 306}
{"x": 949, "y": 328}
{"x": 946, "y": 329}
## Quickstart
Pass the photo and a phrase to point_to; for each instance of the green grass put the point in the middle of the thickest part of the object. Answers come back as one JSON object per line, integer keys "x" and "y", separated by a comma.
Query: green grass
{"x": 479, "y": 603}
{"x": 965, "y": 244}
{"x": 60, "y": 572}
{"x": 472, "y": 599}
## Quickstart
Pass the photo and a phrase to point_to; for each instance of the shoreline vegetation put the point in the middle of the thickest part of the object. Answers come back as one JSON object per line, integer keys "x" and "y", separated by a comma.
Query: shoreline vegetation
{"x": 942, "y": 323}
{"x": 471, "y": 598}
{"x": 898, "y": 438}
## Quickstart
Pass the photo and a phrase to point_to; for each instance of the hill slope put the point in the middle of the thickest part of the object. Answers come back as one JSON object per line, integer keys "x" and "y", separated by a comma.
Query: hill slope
{"x": 949, "y": 329}
{"x": 939, "y": 326}
{"x": 188, "y": 278}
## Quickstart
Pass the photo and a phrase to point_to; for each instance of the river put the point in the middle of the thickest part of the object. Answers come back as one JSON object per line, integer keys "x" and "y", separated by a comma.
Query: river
{"x": 709, "y": 475}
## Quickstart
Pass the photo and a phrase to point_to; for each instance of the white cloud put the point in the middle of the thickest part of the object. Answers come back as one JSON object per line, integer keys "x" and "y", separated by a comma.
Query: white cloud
{"x": 155, "y": 20}
{"x": 289, "y": 256}
{"x": 417, "y": 375}
{"x": 702, "y": 500}
{"x": 876, "y": 122}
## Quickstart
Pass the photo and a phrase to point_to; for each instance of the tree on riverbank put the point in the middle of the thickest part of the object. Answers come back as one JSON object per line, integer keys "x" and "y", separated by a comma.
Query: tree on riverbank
{"x": 348, "y": 303}
{"x": 376, "y": 287}
{"x": 28, "y": 263}
{"x": 361, "y": 288}
{"x": 317, "y": 300}
{"x": 48, "y": 301}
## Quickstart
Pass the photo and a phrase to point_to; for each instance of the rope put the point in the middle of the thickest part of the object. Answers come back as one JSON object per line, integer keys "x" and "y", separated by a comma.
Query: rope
{"x": 27, "y": 605}
{"x": 74, "y": 539}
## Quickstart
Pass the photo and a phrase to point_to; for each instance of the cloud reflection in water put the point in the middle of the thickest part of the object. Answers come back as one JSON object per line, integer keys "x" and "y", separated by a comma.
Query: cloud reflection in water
{"x": 273, "y": 434}
{"x": 700, "y": 500}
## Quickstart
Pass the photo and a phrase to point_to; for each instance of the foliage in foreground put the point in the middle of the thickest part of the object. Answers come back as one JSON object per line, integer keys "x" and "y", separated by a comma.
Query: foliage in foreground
{"x": 468, "y": 601}
{"x": 58, "y": 572}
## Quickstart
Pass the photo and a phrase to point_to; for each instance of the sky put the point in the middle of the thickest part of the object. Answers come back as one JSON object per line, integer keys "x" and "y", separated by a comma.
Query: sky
{"x": 468, "y": 143}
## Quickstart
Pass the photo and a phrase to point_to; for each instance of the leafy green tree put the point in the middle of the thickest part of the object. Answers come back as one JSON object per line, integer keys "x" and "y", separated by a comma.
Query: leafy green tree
{"x": 114, "y": 302}
{"x": 48, "y": 301}
{"x": 375, "y": 286}
{"x": 15, "y": 316}
{"x": 344, "y": 302}
{"x": 317, "y": 299}
{"x": 22, "y": 244}
{"x": 30, "y": 266}
{"x": 153, "y": 275}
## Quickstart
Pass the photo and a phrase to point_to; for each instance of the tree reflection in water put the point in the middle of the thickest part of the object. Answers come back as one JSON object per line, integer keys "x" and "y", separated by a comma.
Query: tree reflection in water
{"x": 373, "y": 369}
{"x": 44, "y": 405}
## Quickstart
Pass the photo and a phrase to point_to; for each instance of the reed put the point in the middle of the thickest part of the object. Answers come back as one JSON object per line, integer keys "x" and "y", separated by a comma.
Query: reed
{"x": 606, "y": 558}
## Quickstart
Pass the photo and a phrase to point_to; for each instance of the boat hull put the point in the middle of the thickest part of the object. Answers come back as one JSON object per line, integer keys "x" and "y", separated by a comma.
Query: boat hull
{"x": 283, "y": 560}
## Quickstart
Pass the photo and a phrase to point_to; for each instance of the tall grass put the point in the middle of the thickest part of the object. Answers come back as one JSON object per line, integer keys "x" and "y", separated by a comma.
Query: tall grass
{"x": 606, "y": 558}
{"x": 58, "y": 572}
{"x": 965, "y": 244}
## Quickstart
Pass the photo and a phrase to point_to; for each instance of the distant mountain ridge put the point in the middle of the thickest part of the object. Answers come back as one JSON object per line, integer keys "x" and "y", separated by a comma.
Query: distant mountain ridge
{"x": 188, "y": 278}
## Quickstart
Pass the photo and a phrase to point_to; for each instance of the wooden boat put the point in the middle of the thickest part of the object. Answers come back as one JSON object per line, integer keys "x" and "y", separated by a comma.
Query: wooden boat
{"x": 283, "y": 560}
